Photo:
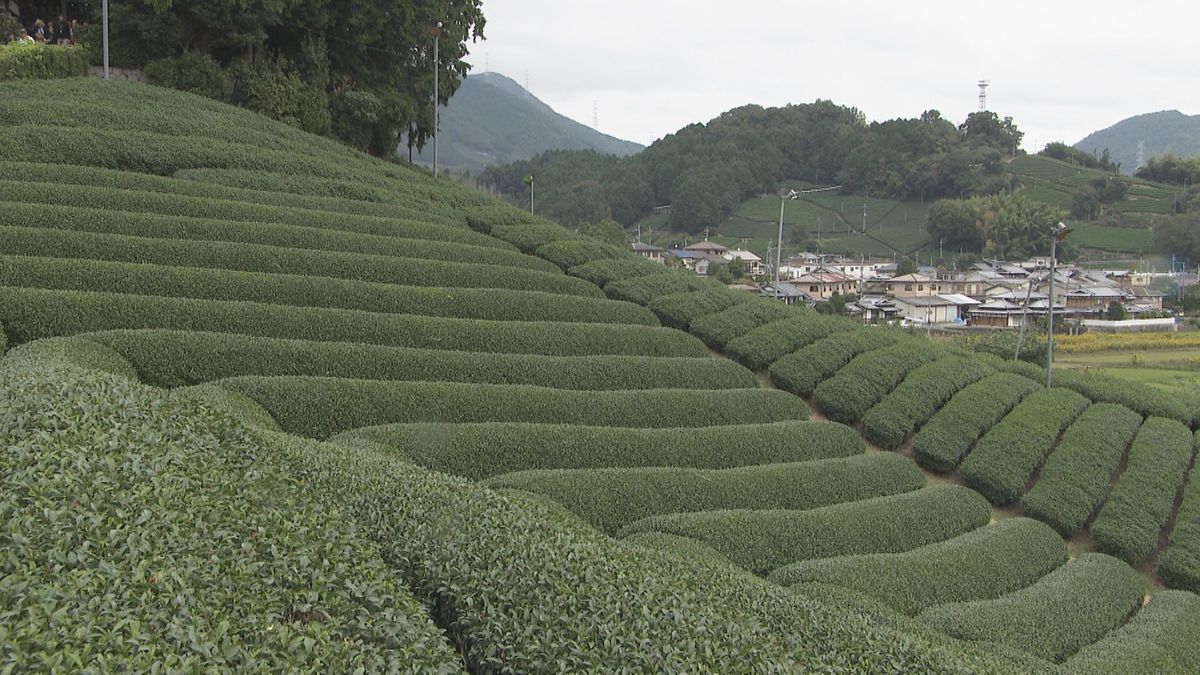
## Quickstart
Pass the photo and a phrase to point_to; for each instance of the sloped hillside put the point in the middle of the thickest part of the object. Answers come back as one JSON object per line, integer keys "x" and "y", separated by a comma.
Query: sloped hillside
{"x": 269, "y": 404}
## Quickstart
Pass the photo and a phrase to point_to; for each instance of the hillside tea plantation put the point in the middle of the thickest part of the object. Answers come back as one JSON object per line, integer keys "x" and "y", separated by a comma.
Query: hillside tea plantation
{"x": 268, "y": 404}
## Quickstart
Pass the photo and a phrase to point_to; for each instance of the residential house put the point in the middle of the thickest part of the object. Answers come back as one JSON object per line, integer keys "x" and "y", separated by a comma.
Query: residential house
{"x": 706, "y": 247}
{"x": 912, "y": 286}
{"x": 935, "y": 309}
{"x": 752, "y": 265}
{"x": 649, "y": 251}
{"x": 788, "y": 293}
{"x": 874, "y": 309}
{"x": 822, "y": 285}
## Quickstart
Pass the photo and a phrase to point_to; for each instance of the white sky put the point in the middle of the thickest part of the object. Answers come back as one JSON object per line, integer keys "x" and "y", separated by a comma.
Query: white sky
{"x": 1061, "y": 69}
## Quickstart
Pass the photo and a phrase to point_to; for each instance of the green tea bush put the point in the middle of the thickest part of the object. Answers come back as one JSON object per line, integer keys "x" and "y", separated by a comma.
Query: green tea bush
{"x": 801, "y": 371}
{"x": 30, "y": 313}
{"x": 925, "y": 390}
{"x": 41, "y": 61}
{"x": 869, "y": 377}
{"x": 1148, "y": 401}
{"x": 643, "y": 289}
{"x": 679, "y": 310}
{"x": 979, "y": 565}
{"x": 568, "y": 253}
{"x": 485, "y": 217}
{"x": 1010, "y": 452}
{"x": 717, "y": 330}
{"x": 528, "y": 237}
{"x": 605, "y": 270}
{"x": 1062, "y": 613}
{"x": 1163, "y": 637}
{"x": 613, "y": 498}
{"x": 263, "y": 258}
{"x": 478, "y": 451}
{"x": 683, "y": 548}
{"x": 178, "y": 358}
{"x": 75, "y": 352}
{"x": 1140, "y": 504}
{"x": 241, "y": 408}
{"x": 1179, "y": 565}
{"x": 941, "y": 444}
{"x": 497, "y": 304}
{"x": 761, "y": 347}
{"x": 1075, "y": 479}
{"x": 322, "y": 406}
{"x": 1023, "y": 368}
{"x": 191, "y": 71}
{"x": 763, "y": 541}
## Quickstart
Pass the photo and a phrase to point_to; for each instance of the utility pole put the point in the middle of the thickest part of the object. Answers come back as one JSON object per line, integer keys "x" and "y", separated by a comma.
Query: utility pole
{"x": 529, "y": 182}
{"x": 1060, "y": 232}
{"x": 104, "y": 10}
{"x": 437, "y": 66}
{"x": 779, "y": 250}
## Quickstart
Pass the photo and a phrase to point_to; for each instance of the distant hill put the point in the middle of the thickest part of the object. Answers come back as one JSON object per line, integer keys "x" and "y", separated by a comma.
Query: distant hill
{"x": 1165, "y": 132}
{"x": 493, "y": 120}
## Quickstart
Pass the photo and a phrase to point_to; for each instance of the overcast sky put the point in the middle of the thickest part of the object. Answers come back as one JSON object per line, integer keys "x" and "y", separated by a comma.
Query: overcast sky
{"x": 1060, "y": 69}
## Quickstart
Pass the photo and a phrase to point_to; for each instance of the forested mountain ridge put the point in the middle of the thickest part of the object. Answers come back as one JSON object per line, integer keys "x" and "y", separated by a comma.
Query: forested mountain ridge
{"x": 1158, "y": 133}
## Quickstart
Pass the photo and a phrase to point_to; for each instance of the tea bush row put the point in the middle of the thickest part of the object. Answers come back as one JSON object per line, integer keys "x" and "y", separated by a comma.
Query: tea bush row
{"x": 679, "y": 310}
{"x": 941, "y": 444}
{"x": 1163, "y": 637}
{"x": 869, "y": 377}
{"x": 605, "y": 270}
{"x": 761, "y": 347}
{"x": 1179, "y": 565}
{"x": 801, "y": 371}
{"x": 1148, "y": 401}
{"x": 568, "y": 253}
{"x": 925, "y": 390}
{"x": 718, "y": 329}
{"x": 643, "y": 289}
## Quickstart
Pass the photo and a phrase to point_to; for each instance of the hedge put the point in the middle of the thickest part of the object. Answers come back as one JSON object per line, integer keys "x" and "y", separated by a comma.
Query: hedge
{"x": 242, "y": 408}
{"x": 75, "y": 352}
{"x": 263, "y": 258}
{"x": 979, "y": 565}
{"x": 643, "y": 289}
{"x": 601, "y": 272}
{"x": 679, "y": 310}
{"x": 143, "y": 533}
{"x": 717, "y": 330}
{"x": 1075, "y": 479}
{"x": 496, "y": 304}
{"x": 39, "y": 61}
{"x": 568, "y": 253}
{"x": 683, "y": 548}
{"x": 323, "y": 406}
{"x": 1007, "y": 456}
{"x": 1179, "y": 565}
{"x": 941, "y": 444}
{"x": 1148, "y": 401}
{"x": 869, "y": 377}
{"x": 529, "y": 236}
{"x": 1163, "y": 637}
{"x": 925, "y": 390}
{"x": 763, "y": 541}
{"x": 614, "y": 498}
{"x": 29, "y": 313}
{"x": 761, "y": 347}
{"x": 478, "y": 451}
{"x": 1140, "y": 505}
{"x": 1062, "y": 613}
{"x": 801, "y": 371}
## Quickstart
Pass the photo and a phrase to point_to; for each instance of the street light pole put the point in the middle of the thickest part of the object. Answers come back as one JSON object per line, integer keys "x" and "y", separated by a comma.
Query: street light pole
{"x": 779, "y": 249}
{"x": 1060, "y": 232}
{"x": 437, "y": 64}
{"x": 104, "y": 11}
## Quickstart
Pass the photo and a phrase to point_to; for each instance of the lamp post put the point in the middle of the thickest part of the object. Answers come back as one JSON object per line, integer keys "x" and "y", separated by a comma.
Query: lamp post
{"x": 790, "y": 194}
{"x": 1060, "y": 232}
{"x": 529, "y": 182}
{"x": 104, "y": 12}
{"x": 437, "y": 65}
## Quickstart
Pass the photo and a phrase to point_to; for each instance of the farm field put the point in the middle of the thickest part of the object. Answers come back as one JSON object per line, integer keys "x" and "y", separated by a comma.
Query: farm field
{"x": 257, "y": 412}
{"x": 1171, "y": 369}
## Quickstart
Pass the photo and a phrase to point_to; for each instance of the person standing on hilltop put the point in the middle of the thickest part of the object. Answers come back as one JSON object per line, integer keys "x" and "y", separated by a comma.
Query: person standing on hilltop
{"x": 64, "y": 35}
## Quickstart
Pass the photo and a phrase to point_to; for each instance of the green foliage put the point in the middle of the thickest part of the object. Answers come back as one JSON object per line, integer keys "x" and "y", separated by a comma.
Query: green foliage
{"x": 478, "y": 451}
{"x": 77, "y": 353}
{"x": 1008, "y": 454}
{"x": 949, "y": 435}
{"x": 1140, "y": 504}
{"x": 608, "y": 231}
{"x": 1179, "y": 565}
{"x": 1066, "y": 153}
{"x": 29, "y": 314}
{"x": 980, "y": 565}
{"x": 568, "y": 253}
{"x": 193, "y": 72}
{"x": 682, "y": 548}
{"x": 763, "y": 541}
{"x": 1116, "y": 311}
{"x": 528, "y": 237}
{"x": 718, "y": 329}
{"x": 235, "y": 405}
{"x": 1170, "y": 168}
{"x": 924, "y": 390}
{"x": 801, "y": 371}
{"x": 643, "y": 289}
{"x": 1163, "y": 637}
{"x": 613, "y": 498}
{"x": 323, "y": 406}
{"x": 1065, "y": 611}
{"x": 1009, "y": 227}
{"x": 679, "y": 310}
{"x": 601, "y": 272}
{"x": 757, "y": 349}
{"x": 1148, "y": 401}
{"x": 869, "y": 377}
{"x": 41, "y": 61}
{"x": 1074, "y": 481}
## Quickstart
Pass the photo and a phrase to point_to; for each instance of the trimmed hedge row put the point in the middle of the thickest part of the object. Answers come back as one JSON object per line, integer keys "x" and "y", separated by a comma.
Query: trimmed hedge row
{"x": 717, "y": 330}
{"x": 528, "y": 236}
{"x": 763, "y": 541}
{"x": 568, "y": 253}
{"x": 41, "y": 61}
{"x": 926, "y": 389}
{"x": 262, "y": 258}
{"x": 1007, "y": 456}
{"x": 869, "y": 377}
{"x": 979, "y": 565}
{"x": 683, "y": 548}
{"x": 75, "y": 352}
{"x": 497, "y": 304}
{"x": 941, "y": 444}
{"x": 761, "y": 347}
{"x": 601, "y": 272}
{"x": 1148, "y": 401}
{"x": 29, "y": 313}
{"x": 643, "y": 289}
{"x": 801, "y": 371}
{"x": 1179, "y": 565}
{"x": 178, "y": 358}
{"x": 1076, "y": 476}
{"x": 1163, "y": 637}
{"x": 322, "y": 406}
{"x": 679, "y": 310}
{"x": 614, "y": 498}
{"x": 1062, "y": 613}
{"x": 1140, "y": 505}
{"x": 478, "y": 451}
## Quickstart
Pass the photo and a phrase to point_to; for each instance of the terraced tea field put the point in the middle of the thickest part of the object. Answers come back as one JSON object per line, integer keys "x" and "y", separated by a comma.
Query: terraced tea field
{"x": 273, "y": 405}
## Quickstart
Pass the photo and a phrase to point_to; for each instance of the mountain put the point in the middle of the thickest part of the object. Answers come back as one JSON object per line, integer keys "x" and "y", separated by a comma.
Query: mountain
{"x": 493, "y": 120}
{"x": 1159, "y": 133}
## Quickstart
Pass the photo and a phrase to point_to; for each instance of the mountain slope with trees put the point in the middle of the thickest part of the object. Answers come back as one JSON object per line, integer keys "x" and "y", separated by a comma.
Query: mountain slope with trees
{"x": 1167, "y": 132}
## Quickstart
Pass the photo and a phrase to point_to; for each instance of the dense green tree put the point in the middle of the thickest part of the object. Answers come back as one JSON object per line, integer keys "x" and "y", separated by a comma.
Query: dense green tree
{"x": 986, "y": 128}
{"x": 606, "y": 230}
{"x": 1066, "y": 153}
{"x": 906, "y": 266}
{"x": 1001, "y": 226}
{"x": 1172, "y": 169}
{"x": 1116, "y": 311}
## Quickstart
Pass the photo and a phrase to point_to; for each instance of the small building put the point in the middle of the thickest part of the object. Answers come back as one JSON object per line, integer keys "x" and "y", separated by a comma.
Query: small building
{"x": 752, "y": 265}
{"x": 874, "y": 309}
{"x": 788, "y": 293}
{"x": 706, "y": 248}
{"x": 823, "y": 285}
{"x": 911, "y": 286}
{"x": 648, "y": 251}
{"x": 928, "y": 309}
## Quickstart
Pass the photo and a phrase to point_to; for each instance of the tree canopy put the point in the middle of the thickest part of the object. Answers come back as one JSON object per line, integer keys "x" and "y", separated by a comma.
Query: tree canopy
{"x": 999, "y": 226}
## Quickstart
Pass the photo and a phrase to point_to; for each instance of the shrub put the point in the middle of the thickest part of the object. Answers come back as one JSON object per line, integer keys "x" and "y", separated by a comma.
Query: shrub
{"x": 241, "y": 408}
{"x": 678, "y": 310}
{"x": 496, "y": 304}
{"x": 177, "y": 358}
{"x": 29, "y": 314}
{"x": 683, "y": 548}
{"x": 75, "y": 352}
{"x": 529, "y": 236}
{"x": 605, "y": 270}
{"x": 643, "y": 289}
{"x": 613, "y": 498}
{"x": 192, "y": 71}
{"x": 801, "y": 371}
{"x": 1163, "y": 637}
{"x": 1076, "y": 476}
{"x": 1179, "y": 565}
{"x": 979, "y": 565}
{"x": 1139, "y": 506}
{"x": 1063, "y": 612}
{"x": 761, "y": 347}
{"x": 925, "y": 390}
{"x": 1140, "y": 398}
{"x": 568, "y": 253}
{"x": 763, "y": 541}
{"x": 1006, "y": 457}
{"x": 478, "y": 451}
{"x": 717, "y": 330}
{"x": 863, "y": 382}
{"x": 323, "y": 406}
{"x": 485, "y": 217}
{"x": 948, "y": 436}
{"x": 41, "y": 61}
